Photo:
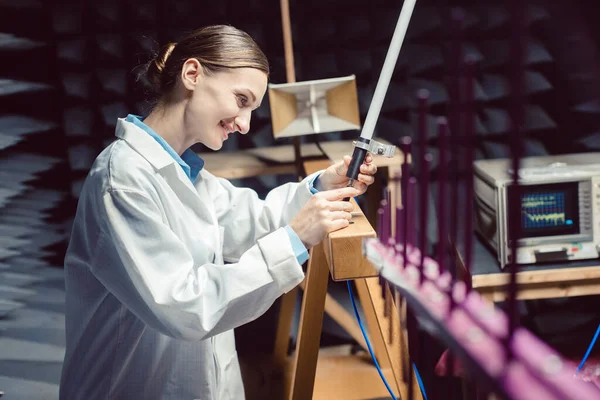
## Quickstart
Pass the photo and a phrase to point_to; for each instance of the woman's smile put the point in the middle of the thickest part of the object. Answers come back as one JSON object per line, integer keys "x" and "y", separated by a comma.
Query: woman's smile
{"x": 227, "y": 129}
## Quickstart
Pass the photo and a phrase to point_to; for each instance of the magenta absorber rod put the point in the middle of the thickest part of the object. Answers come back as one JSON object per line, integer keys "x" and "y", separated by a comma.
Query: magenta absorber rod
{"x": 469, "y": 142}
{"x": 380, "y": 224}
{"x": 380, "y": 235}
{"x": 423, "y": 98}
{"x": 424, "y": 182}
{"x": 399, "y": 224}
{"x": 517, "y": 50}
{"x": 405, "y": 147}
{"x": 385, "y": 233}
{"x": 425, "y": 165}
{"x": 411, "y": 208}
{"x": 442, "y": 183}
{"x": 458, "y": 18}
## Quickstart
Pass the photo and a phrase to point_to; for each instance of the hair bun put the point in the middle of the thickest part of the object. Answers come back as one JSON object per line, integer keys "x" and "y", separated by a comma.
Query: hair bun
{"x": 216, "y": 47}
{"x": 156, "y": 67}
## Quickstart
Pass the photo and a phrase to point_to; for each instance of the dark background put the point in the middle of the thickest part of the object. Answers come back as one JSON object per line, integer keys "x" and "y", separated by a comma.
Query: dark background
{"x": 68, "y": 70}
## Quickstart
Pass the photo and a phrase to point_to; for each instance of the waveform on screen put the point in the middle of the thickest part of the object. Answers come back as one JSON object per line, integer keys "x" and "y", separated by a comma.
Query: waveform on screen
{"x": 537, "y": 202}
{"x": 548, "y": 219}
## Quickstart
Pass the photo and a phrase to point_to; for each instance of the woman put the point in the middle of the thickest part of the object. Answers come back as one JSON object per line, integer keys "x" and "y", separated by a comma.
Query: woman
{"x": 151, "y": 302}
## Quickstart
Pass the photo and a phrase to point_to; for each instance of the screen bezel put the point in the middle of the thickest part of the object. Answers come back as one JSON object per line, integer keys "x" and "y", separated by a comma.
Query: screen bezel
{"x": 513, "y": 193}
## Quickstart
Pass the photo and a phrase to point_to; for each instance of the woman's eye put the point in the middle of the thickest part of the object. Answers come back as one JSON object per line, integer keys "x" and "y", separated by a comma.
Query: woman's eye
{"x": 243, "y": 100}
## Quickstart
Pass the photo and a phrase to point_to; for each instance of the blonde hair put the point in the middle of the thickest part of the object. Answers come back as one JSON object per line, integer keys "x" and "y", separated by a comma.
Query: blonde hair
{"x": 216, "y": 47}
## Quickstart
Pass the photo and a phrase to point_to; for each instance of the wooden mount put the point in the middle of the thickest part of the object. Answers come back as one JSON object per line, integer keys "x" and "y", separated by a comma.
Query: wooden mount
{"x": 340, "y": 255}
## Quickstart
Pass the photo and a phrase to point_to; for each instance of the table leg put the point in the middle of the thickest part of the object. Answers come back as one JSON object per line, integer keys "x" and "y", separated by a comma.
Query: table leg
{"x": 311, "y": 323}
{"x": 395, "y": 346}
{"x": 372, "y": 324}
{"x": 284, "y": 326}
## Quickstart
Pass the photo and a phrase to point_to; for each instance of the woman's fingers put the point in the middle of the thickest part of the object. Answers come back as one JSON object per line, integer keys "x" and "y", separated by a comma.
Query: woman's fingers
{"x": 366, "y": 179}
{"x": 368, "y": 169}
{"x": 340, "y": 215}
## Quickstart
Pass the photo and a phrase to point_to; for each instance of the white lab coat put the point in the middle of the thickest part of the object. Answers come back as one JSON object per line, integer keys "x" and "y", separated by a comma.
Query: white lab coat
{"x": 150, "y": 303}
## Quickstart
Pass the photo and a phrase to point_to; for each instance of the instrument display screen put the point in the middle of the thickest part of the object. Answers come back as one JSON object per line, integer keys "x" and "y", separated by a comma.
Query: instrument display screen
{"x": 546, "y": 209}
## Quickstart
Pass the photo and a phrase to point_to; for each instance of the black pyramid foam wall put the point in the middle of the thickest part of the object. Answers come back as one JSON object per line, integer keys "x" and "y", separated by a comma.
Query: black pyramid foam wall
{"x": 35, "y": 179}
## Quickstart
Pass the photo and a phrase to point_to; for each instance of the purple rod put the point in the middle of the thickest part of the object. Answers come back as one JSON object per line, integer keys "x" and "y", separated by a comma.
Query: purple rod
{"x": 427, "y": 159}
{"x": 411, "y": 207}
{"x": 516, "y": 150}
{"x": 442, "y": 178}
{"x": 458, "y": 18}
{"x": 423, "y": 96}
{"x": 470, "y": 150}
{"x": 405, "y": 146}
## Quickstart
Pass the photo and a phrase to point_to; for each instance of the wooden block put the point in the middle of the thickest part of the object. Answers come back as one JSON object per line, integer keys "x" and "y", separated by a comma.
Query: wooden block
{"x": 343, "y": 248}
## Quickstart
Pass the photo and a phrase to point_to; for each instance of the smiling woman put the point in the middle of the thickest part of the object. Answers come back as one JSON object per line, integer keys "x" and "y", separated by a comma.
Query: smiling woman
{"x": 219, "y": 75}
{"x": 165, "y": 259}
{"x": 217, "y": 47}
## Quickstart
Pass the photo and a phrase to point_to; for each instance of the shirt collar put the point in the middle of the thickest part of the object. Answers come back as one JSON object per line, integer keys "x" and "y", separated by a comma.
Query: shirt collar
{"x": 189, "y": 161}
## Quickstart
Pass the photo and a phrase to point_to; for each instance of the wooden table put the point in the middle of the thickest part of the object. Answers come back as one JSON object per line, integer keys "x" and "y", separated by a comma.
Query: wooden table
{"x": 542, "y": 281}
{"x": 339, "y": 256}
{"x": 279, "y": 160}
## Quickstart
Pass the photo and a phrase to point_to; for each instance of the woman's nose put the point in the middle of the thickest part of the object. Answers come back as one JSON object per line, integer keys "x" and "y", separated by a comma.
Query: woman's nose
{"x": 243, "y": 123}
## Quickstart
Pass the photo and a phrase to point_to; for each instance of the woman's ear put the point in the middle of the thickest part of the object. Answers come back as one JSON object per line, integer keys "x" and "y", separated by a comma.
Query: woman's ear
{"x": 191, "y": 73}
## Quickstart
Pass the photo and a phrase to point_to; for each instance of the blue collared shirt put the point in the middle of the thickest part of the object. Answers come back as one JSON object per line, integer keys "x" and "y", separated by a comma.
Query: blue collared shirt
{"x": 189, "y": 161}
{"x": 192, "y": 165}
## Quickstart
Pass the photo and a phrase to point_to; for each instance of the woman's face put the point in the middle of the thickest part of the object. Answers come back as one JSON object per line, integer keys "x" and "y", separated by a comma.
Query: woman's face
{"x": 221, "y": 103}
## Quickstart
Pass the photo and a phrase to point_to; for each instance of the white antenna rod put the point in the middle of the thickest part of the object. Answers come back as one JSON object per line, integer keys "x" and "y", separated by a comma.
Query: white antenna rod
{"x": 388, "y": 68}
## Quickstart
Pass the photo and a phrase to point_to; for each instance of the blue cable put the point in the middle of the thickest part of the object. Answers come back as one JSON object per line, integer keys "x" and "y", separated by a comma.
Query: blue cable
{"x": 589, "y": 350}
{"x": 420, "y": 381}
{"x": 362, "y": 328}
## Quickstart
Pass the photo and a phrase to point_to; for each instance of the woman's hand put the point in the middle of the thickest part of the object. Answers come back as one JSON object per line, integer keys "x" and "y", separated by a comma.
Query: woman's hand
{"x": 334, "y": 177}
{"x": 325, "y": 212}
